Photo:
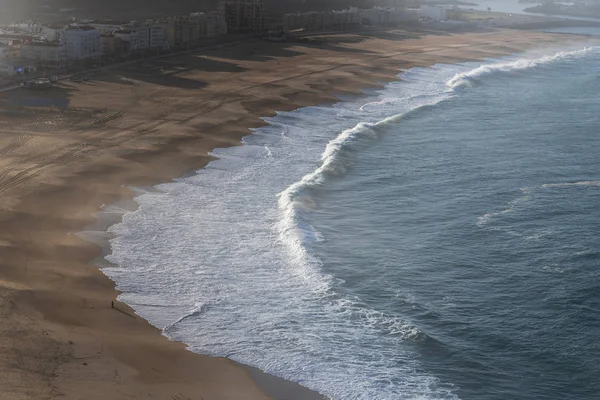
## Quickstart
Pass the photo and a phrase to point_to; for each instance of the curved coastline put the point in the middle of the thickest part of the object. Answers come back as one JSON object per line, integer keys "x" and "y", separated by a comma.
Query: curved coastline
{"x": 60, "y": 298}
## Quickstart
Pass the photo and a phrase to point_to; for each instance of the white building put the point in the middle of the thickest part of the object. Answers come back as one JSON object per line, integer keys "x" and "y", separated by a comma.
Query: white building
{"x": 433, "y": 13}
{"x": 142, "y": 36}
{"x": 81, "y": 43}
{"x": 157, "y": 38}
{"x": 50, "y": 34}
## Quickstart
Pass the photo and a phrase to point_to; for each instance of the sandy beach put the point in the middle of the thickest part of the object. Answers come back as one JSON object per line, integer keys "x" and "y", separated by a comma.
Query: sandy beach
{"x": 69, "y": 151}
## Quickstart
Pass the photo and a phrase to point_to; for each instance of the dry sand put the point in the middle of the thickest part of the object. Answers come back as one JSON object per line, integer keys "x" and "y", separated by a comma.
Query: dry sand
{"x": 142, "y": 125}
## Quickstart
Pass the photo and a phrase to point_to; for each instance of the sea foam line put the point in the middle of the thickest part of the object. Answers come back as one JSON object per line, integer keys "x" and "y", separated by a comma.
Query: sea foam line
{"x": 483, "y": 220}
{"x": 466, "y": 78}
{"x": 292, "y": 231}
{"x": 570, "y": 184}
{"x": 527, "y": 195}
{"x": 296, "y": 233}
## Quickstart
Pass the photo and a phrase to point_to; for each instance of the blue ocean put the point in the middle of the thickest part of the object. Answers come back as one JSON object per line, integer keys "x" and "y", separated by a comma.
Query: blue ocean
{"x": 435, "y": 239}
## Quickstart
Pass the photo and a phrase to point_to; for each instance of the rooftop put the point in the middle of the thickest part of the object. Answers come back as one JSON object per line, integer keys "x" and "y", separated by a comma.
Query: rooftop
{"x": 80, "y": 28}
{"x": 44, "y": 43}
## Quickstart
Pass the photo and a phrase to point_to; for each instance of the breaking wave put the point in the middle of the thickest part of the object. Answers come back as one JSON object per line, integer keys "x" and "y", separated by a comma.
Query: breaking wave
{"x": 230, "y": 288}
{"x": 463, "y": 79}
{"x": 293, "y": 229}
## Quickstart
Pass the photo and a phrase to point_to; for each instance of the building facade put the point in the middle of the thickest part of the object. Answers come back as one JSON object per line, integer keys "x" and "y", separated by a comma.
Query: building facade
{"x": 115, "y": 47}
{"x": 186, "y": 30}
{"x": 47, "y": 54}
{"x": 347, "y": 20}
{"x": 82, "y": 43}
{"x": 216, "y": 25}
{"x": 244, "y": 16}
{"x": 11, "y": 64}
{"x": 323, "y": 21}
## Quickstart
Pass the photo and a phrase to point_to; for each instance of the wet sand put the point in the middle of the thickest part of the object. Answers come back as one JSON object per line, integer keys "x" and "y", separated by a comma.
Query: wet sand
{"x": 67, "y": 152}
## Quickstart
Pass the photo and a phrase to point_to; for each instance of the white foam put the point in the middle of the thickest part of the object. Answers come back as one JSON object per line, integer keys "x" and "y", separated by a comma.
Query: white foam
{"x": 485, "y": 219}
{"x": 512, "y": 205}
{"x": 467, "y": 78}
{"x": 570, "y": 184}
{"x": 296, "y": 199}
{"x": 269, "y": 152}
{"x": 226, "y": 265}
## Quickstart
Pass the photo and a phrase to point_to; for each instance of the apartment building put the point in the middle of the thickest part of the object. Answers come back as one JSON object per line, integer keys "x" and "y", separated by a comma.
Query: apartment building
{"x": 216, "y": 24}
{"x": 323, "y": 21}
{"x": 350, "y": 19}
{"x": 186, "y": 30}
{"x": 82, "y": 43}
{"x": 244, "y": 16}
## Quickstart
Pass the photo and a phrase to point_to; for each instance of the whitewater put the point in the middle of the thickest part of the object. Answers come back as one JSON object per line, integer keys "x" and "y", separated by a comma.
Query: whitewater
{"x": 226, "y": 260}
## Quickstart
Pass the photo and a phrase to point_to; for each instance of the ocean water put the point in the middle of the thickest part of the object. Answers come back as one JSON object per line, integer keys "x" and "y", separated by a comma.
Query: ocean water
{"x": 437, "y": 239}
{"x": 515, "y": 7}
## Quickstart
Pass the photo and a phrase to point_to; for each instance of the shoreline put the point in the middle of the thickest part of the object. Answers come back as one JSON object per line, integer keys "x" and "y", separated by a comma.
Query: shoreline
{"x": 34, "y": 291}
{"x": 97, "y": 234}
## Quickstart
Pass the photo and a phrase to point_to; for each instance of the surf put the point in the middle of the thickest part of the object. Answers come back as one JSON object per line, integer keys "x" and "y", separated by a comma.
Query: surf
{"x": 465, "y": 79}
{"x": 228, "y": 260}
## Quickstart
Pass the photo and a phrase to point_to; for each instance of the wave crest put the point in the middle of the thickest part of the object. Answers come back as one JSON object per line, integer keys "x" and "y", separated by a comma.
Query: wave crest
{"x": 464, "y": 79}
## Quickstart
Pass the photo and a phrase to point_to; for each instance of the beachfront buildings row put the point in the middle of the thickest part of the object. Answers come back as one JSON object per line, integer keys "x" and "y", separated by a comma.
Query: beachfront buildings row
{"x": 353, "y": 18}
{"x": 26, "y": 47}
{"x": 29, "y": 46}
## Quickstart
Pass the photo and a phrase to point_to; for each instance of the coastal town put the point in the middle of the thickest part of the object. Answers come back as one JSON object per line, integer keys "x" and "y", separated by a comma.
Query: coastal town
{"x": 34, "y": 49}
